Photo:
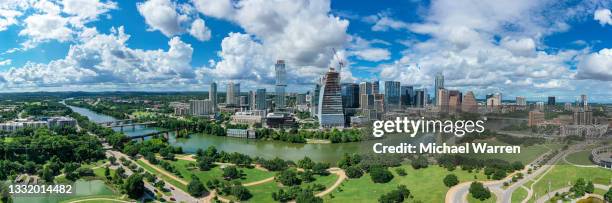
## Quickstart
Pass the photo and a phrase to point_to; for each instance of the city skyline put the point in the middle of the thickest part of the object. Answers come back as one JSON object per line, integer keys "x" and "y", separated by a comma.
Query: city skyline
{"x": 118, "y": 46}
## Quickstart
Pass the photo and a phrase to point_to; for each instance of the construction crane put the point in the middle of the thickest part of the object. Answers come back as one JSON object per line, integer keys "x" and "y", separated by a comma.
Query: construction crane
{"x": 340, "y": 62}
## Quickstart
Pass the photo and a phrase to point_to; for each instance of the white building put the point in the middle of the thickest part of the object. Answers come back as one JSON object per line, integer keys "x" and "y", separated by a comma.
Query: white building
{"x": 201, "y": 107}
{"x": 249, "y": 117}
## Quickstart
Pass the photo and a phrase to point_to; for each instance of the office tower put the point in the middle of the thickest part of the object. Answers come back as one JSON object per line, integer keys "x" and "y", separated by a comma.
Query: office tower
{"x": 281, "y": 83}
{"x": 583, "y": 117}
{"x": 365, "y": 88}
{"x": 201, "y": 107}
{"x": 521, "y": 101}
{"x": 406, "y": 96}
{"x": 419, "y": 98}
{"x": 442, "y": 100}
{"x": 439, "y": 84}
{"x": 379, "y": 103}
{"x": 252, "y": 100}
{"x": 244, "y": 102}
{"x": 236, "y": 93}
{"x": 375, "y": 87}
{"x": 468, "y": 104}
{"x": 350, "y": 95}
{"x": 260, "y": 99}
{"x": 330, "y": 112}
{"x": 494, "y": 100}
{"x": 584, "y": 103}
{"x": 212, "y": 95}
{"x": 567, "y": 106}
{"x": 392, "y": 95}
{"x": 230, "y": 95}
{"x": 454, "y": 101}
{"x": 551, "y": 101}
{"x": 314, "y": 101}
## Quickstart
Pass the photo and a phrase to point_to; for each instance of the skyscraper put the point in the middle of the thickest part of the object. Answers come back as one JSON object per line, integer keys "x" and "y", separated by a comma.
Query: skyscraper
{"x": 375, "y": 87}
{"x": 419, "y": 98}
{"x": 330, "y": 112}
{"x": 236, "y": 93}
{"x": 365, "y": 91}
{"x": 551, "y": 101}
{"x": 392, "y": 95}
{"x": 406, "y": 95}
{"x": 212, "y": 95}
{"x": 200, "y": 107}
{"x": 584, "y": 102}
{"x": 281, "y": 83}
{"x": 230, "y": 96}
{"x": 260, "y": 99}
{"x": 442, "y": 99}
{"x": 350, "y": 95}
{"x": 439, "y": 84}
{"x": 521, "y": 101}
{"x": 468, "y": 104}
{"x": 455, "y": 98}
{"x": 314, "y": 101}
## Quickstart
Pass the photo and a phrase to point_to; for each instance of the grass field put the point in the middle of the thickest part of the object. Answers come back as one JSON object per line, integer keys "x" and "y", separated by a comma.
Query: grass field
{"x": 92, "y": 199}
{"x": 263, "y": 192}
{"x": 565, "y": 175}
{"x": 580, "y": 158}
{"x": 81, "y": 189}
{"x": 474, "y": 200}
{"x": 519, "y": 194}
{"x": 187, "y": 168}
{"x": 424, "y": 184}
{"x": 162, "y": 176}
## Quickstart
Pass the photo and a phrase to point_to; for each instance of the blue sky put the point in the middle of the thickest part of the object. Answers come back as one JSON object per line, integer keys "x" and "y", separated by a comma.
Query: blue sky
{"x": 518, "y": 48}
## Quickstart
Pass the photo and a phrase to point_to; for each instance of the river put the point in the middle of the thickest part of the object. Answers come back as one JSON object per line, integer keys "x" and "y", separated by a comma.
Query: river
{"x": 268, "y": 149}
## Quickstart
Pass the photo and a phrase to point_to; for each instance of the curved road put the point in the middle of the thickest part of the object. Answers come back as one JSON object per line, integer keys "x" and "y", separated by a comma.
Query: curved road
{"x": 545, "y": 198}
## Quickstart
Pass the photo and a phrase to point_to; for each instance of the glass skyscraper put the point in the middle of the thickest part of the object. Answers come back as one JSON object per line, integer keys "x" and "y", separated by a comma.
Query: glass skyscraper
{"x": 350, "y": 95}
{"x": 438, "y": 85}
{"x": 281, "y": 83}
{"x": 260, "y": 99}
{"x": 331, "y": 114}
{"x": 212, "y": 95}
{"x": 392, "y": 94}
{"x": 406, "y": 95}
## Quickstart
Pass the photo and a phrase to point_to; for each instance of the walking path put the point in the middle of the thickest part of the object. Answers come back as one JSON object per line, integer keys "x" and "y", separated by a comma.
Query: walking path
{"x": 164, "y": 172}
{"x": 341, "y": 177}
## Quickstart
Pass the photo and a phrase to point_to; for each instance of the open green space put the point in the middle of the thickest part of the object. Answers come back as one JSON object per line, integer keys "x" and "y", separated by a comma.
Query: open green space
{"x": 519, "y": 194}
{"x": 162, "y": 176}
{"x": 81, "y": 189}
{"x": 424, "y": 184}
{"x": 263, "y": 192}
{"x": 580, "y": 158}
{"x": 187, "y": 168}
{"x": 527, "y": 155}
{"x": 474, "y": 200}
{"x": 97, "y": 199}
{"x": 565, "y": 175}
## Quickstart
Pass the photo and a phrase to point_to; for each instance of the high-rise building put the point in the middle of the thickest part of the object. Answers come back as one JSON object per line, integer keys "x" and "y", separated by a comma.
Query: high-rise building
{"x": 535, "y": 118}
{"x": 365, "y": 88}
{"x": 281, "y": 84}
{"x": 314, "y": 101}
{"x": 442, "y": 99}
{"x": 494, "y": 100}
{"x": 406, "y": 96}
{"x": 392, "y": 95}
{"x": 439, "y": 84}
{"x": 236, "y": 93}
{"x": 365, "y": 92}
{"x": 300, "y": 99}
{"x": 212, "y": 95}
{"x": 230, "y": 95}
{"x": 379, "y": 103}
{"x": 350, "y": 95}
{"x": 201, "y": 107}
{"x": 252, "y": 100}
{"x": 244, "y": 102}
{"x": 419, "y": 98}
{"x": 584, "y": 102}
{"x": 551, "y": 101}
{"x": 260, "y": 99}
{"x": 521, "y": 101}
{"x": 375, "y": 87}
{"x": 583, "y": 117}
{"x": 454, "y": 101}
{"x": 468, "y": 104}
{"x": 331, "y": 114}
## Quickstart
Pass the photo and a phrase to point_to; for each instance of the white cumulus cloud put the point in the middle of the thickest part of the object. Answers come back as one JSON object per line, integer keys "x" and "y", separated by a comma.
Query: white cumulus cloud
{"x": 597, "y": 65}
{"x": 603, "y": 16}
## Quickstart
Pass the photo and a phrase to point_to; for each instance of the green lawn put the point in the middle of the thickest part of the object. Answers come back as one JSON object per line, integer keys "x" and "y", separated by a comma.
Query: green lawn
{"x": 565, "y": 175}
{"x": 580, "y": 157}
{"x": 162, "y": 176}
{"x": 118, "y": 198}
{"x": 263, "y": 192}
{"x": 100, "y": 172}
{"x": 474, "y": 200}
{"x": 81, "y": 189}
{"x": 424, "y": 184}
{"x": 187, "y": 168}
{"x": 519, "y": 194}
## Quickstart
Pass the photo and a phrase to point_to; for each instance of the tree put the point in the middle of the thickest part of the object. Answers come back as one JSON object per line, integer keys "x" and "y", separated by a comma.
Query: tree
{"x": 307, "y": 196}
{"x": 5, "y": 196}
{"x": 47, "y": 174}
{"x": 401, "y": 172}
{"x": 231, "y": 172}
{"x": 134, "y": 186}
{"x": 451, "y": 180}
{"x": 320, "y": 169}
{"x": 579, "y": 188}
{"x": 380, "y": 174}
{"x": 195, "y": 187}
{"x": 589, "y": 188}
{"x": 397, "y": 195}
{"x": 205, "y": 163}
{"x": 305, "y": 163}
{"x": 107, "y": 173}
{"x": 479, "y": 192}
{"x": 353, "y": 172}
{"x": 499, "y": 174}
{"x": 420, "y": 162}
{"x": 307, "y": 176}
{"x": 288, "y": 177}
{"x": 112, "y": 160}
{"x": 608, "y": 195}
{"x": 241, "y": 192}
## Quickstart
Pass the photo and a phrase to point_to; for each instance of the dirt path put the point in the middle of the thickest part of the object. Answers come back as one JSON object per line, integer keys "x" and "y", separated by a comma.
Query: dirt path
{"x": 341, "y": 177}
{"x": 164, "y": 172}
{"x": 258, "y": 182}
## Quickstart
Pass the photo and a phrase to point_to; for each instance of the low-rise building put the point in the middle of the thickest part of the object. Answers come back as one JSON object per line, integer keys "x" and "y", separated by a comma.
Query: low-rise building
{"x": 241, "y": 133}
{"x": 249, "y": 117}
{"x": 280, "y": 120}
{"x": 44, "y": 122}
